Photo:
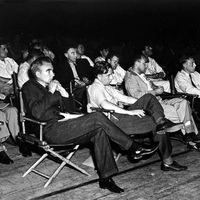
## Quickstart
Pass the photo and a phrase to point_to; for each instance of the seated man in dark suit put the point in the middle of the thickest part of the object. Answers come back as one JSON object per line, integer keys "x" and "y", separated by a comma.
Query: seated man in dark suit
{"x": 45, "y": 100}
{"x": 75, "y": 74}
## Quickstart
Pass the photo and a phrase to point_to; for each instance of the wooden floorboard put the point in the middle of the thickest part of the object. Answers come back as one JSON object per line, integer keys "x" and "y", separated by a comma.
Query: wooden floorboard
{"x": 142, "y": 181}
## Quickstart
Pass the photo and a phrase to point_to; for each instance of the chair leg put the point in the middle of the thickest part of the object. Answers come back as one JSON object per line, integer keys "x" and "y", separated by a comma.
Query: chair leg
{"x": 117, "y": 157}
{"x": 67, "y": 161}
{"x": 35, "y": 164}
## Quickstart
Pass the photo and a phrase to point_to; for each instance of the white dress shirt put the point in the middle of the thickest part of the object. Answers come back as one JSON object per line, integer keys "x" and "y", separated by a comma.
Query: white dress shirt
{"x": 184, "y": 84}
{"x": 7, "y": 67}
{"x": 73, "y": 67}
{"x": 99, "y": 93}
{"x": 118, "y": 75}
{"x": 23, "y": 74}
{"x": 153, "y": 68}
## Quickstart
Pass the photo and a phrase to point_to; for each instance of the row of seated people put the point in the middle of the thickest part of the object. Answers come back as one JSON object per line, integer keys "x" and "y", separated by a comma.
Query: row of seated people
{"x": 144, "y": 115}
{"x": 46, "y": 99}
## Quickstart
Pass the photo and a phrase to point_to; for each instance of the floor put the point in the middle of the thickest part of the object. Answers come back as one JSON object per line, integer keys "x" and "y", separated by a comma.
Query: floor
{"x": 142, "y": 181}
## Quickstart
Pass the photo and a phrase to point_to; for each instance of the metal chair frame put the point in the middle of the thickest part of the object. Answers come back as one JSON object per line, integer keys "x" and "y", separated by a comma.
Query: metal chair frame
{"x": 49, "y": 149}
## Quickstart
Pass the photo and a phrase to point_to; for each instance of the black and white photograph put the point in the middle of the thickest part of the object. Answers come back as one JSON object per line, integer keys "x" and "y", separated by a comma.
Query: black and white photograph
{"x": 100, "y": 100}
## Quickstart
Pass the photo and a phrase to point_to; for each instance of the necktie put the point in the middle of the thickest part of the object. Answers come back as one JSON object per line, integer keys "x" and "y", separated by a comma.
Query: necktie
{"x": 192, "y": 81}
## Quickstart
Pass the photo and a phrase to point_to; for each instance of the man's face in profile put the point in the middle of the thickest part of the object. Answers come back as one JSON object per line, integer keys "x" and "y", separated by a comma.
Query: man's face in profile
{"x": 45, "y": 74}
{"x": 71, "y": 54}
{"x": 3, "y": 51}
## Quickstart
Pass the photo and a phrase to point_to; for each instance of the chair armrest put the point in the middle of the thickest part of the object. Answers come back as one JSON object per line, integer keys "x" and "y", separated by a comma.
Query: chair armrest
{"x": 33, "y": 140}
{"x": 102, "y": 110}
{"x": 34, "y": 121}
{"x": 166, "y": 95}
{"x": 187, "y": 94}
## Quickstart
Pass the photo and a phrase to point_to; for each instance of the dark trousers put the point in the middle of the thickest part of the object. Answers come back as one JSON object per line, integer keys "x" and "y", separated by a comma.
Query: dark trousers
{"x": 197, "y": 106}
{"x": 97, "y": 129}
{"x": 80, "y": 95}
{"x": 135, "y": 125}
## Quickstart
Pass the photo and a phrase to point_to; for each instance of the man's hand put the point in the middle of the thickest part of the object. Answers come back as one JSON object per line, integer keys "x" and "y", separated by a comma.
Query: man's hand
{"x": 159, "y": 90}
{"x": 79, "y": 83}
{"x": 86, "y": 80}
{"x": 52, "y": 86}
{"x": 139, "y": 113}
{"x": 62, "y": 90}
{"x": 56, "y": 86}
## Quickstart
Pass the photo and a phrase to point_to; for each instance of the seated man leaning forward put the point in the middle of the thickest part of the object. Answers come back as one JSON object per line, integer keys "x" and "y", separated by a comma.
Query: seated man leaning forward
{"x": 133, "y": 120}
{"x": 46, "y": 100}
{"x": 175, "y": 109}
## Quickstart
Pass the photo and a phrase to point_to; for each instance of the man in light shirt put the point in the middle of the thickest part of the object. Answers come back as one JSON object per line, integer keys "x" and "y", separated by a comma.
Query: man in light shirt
{"x": 175, "y": 109}
{"x": 23, "y": 74}
{"x": 9, "y": 113}
{"x": 188, "y": 80}
{"x": 7, "y": 67}
{"x": 142, "y": 116}
{"x": 118, "y": 71}
{"x": 154, "y": 71}
{"x": 80, "y": 54}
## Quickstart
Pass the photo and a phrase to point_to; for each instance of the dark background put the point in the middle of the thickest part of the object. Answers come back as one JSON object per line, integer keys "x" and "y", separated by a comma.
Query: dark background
{"x": 114, "y": 19}
{"x": 171, "y": 27}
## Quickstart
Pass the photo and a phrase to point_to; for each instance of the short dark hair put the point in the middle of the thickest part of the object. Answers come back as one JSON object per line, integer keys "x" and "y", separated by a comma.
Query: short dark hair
{"x": 101, "y": 67}
{"x": 137, "y": 56}
{"x": 112, "y": 54}
{"x": 34, "y": 53}
{"x": 35, "y": 65}
{"x": 183, "y": 59}
{"x": 69, "y": 46}
{"x": 3, "y": 41}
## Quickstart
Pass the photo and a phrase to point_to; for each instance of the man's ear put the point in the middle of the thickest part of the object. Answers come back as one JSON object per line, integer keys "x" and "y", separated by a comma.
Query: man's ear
{"x": 66, "y": 55}
{"x": 99, "y": 76}
{"x": 109, "y": 60}
{"x": 37, "y": 74}
{"x": 184, "y": 65}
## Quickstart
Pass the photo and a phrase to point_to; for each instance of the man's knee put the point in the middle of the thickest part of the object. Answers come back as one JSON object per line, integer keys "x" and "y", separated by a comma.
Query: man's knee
{"x": 98, "y": 115}
{"x": 149, "y": 96}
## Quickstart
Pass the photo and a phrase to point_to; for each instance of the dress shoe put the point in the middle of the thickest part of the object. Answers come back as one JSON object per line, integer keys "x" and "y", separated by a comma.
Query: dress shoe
{"x": 23, "y": 148}
{"x": 193, "y": 145}
{"x": 165, "y": 124}
{"x": 142, "y": 151}
{"x": 173, "y": 167}
{"x": 4, "y": 158}
{"x": 109, "y": 184}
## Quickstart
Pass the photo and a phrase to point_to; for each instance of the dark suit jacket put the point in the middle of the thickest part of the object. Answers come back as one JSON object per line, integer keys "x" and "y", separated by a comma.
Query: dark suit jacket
{"x": 64, "y": 73}
{"x": 41, "y": 104}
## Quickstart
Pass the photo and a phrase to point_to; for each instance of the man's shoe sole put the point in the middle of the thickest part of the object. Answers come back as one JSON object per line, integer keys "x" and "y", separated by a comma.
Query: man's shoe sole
{"x": 147, "y": 152}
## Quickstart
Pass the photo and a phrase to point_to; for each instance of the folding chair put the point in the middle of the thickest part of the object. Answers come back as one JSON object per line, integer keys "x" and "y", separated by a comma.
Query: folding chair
{"x": 47, "y": 149}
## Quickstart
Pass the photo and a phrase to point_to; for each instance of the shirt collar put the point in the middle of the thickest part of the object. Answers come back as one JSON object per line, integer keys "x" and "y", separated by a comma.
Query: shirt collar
{"x": 186, "y": 73}
{"x": 96, "y": 80}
